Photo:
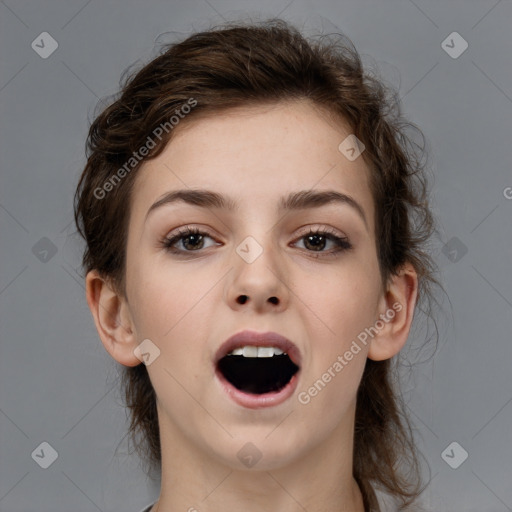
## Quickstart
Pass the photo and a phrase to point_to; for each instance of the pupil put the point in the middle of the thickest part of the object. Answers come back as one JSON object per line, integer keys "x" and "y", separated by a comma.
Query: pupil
{"x": 309, "y": 238}
{"x": 189, "y": 237}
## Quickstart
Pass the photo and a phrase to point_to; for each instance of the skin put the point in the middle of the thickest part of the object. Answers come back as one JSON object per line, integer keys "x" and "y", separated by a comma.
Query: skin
{"x": 188, "y": 307}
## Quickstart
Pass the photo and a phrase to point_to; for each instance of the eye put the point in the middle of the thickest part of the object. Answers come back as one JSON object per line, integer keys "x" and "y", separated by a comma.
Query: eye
{"x": 190, "y": 239}
{"x": 315, "y": 241}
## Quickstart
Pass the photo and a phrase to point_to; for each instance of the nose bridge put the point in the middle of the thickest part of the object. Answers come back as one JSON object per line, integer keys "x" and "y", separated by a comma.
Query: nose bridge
{"x": 258, "y": 273}
{"x": 257, "y": 244}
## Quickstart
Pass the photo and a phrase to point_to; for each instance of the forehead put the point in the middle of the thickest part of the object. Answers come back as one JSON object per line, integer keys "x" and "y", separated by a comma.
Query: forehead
{"x": 256, "y": 154}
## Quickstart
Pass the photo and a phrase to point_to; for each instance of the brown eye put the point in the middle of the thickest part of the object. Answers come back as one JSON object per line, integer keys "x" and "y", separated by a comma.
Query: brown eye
{"x": 317, "y": 241}
{"x": 186, "y": 240}
{"x": 193, "y": 241}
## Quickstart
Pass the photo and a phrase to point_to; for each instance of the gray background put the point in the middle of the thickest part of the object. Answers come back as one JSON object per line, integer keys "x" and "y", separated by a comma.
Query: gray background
{"x": 58, "y": 384}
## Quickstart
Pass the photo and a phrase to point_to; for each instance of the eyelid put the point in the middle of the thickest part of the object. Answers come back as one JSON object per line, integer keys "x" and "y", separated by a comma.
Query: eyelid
{"x": 173, "y": 237}
{"x": 336, "y": 237}
{"x": 186, "y": 229}
{"x": 322, "y": 228}
{"x": 302, "y": 231}
{"x": 340, "y": 240}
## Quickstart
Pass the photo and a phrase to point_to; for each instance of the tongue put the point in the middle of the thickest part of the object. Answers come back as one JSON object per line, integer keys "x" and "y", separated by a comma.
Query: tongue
{"x": 258, "y": 375}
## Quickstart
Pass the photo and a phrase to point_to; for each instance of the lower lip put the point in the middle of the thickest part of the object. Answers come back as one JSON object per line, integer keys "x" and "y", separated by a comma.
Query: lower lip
{"x": 258, "y": 401}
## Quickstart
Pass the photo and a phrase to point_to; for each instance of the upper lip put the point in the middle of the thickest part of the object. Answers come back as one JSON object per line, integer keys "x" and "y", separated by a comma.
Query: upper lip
{"x": 260, "y": 339}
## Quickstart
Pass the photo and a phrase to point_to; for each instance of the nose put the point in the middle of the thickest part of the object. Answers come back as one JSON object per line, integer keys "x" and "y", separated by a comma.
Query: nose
{"x": 258, "y": 284}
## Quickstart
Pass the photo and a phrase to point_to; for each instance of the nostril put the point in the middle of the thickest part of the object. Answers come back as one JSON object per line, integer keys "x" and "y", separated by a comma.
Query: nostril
{"x": 242, "y": 299}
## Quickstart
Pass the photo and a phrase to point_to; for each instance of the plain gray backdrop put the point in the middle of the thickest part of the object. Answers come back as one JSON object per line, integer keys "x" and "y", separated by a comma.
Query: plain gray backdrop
{"x": 56, "y": 379}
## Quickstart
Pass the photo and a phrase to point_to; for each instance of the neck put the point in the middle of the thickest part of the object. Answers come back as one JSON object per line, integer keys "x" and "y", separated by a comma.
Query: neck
{"x": 320, "y": 481}
{"x": 262, "y": 491}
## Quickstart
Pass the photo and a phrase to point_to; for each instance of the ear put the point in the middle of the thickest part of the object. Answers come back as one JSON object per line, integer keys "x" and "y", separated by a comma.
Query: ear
{"x": 396, "y": 310}
{"x": 112, "y": 318}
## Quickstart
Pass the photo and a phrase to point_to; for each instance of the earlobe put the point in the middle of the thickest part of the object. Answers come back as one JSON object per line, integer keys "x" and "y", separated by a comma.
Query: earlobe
{"x": 396, "y": 314}
{"x": 112, "y": 319}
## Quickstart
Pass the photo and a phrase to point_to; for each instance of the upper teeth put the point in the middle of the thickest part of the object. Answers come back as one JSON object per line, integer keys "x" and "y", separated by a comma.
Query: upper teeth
{"x": 252, "y": 351}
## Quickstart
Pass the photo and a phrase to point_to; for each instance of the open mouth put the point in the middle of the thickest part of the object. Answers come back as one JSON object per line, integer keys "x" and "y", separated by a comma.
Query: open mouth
{"x": 257, "y": 369}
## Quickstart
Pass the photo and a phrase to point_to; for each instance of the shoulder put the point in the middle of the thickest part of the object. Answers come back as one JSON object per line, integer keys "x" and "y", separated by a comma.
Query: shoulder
{"x": 389, "y": 503}
{"x": 148, "y": 508}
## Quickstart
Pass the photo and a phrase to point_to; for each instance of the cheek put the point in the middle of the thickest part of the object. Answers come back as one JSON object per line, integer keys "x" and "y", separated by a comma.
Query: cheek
{"x": 346, "y": 306}
{"x": 344, "y": 301}
{"x": 166, "y": 300}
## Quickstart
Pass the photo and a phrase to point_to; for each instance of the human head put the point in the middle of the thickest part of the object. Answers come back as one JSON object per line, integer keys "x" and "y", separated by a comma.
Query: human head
{"x": 246, "y": 66}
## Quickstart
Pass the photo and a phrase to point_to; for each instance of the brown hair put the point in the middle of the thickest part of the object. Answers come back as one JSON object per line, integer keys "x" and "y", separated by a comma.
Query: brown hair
{"x": 250, "y": 64}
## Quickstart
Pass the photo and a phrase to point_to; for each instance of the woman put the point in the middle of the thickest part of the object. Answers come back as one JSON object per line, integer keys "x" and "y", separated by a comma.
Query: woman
{"x": 255, "y": 218}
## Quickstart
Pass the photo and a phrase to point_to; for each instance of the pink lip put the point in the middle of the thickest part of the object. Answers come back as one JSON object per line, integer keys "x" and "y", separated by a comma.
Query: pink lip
{"x": 260, "y": 339}
{"x": 258, "y": 401}
{"x": 244, "y": 338}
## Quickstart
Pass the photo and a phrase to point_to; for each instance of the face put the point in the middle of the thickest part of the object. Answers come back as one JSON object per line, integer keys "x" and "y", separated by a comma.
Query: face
{"x": 308, "y": 272}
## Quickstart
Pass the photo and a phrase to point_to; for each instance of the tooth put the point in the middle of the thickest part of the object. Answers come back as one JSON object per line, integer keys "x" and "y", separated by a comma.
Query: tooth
{"x": 254, "y": 351}
{"x": 250, "y": 351}
{"x": 266, "y": 351}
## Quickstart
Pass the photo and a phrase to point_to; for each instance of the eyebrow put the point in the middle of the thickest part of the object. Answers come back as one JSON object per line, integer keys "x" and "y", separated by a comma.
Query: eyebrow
{"x": 295, "y": 201}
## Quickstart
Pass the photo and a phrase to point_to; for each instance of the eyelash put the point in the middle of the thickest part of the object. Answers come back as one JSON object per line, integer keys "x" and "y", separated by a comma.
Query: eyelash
{"x": 342, "y": 243}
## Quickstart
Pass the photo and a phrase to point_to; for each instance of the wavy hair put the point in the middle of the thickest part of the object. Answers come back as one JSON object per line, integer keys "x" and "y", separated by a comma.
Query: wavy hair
{"x": 244, "y": 64}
